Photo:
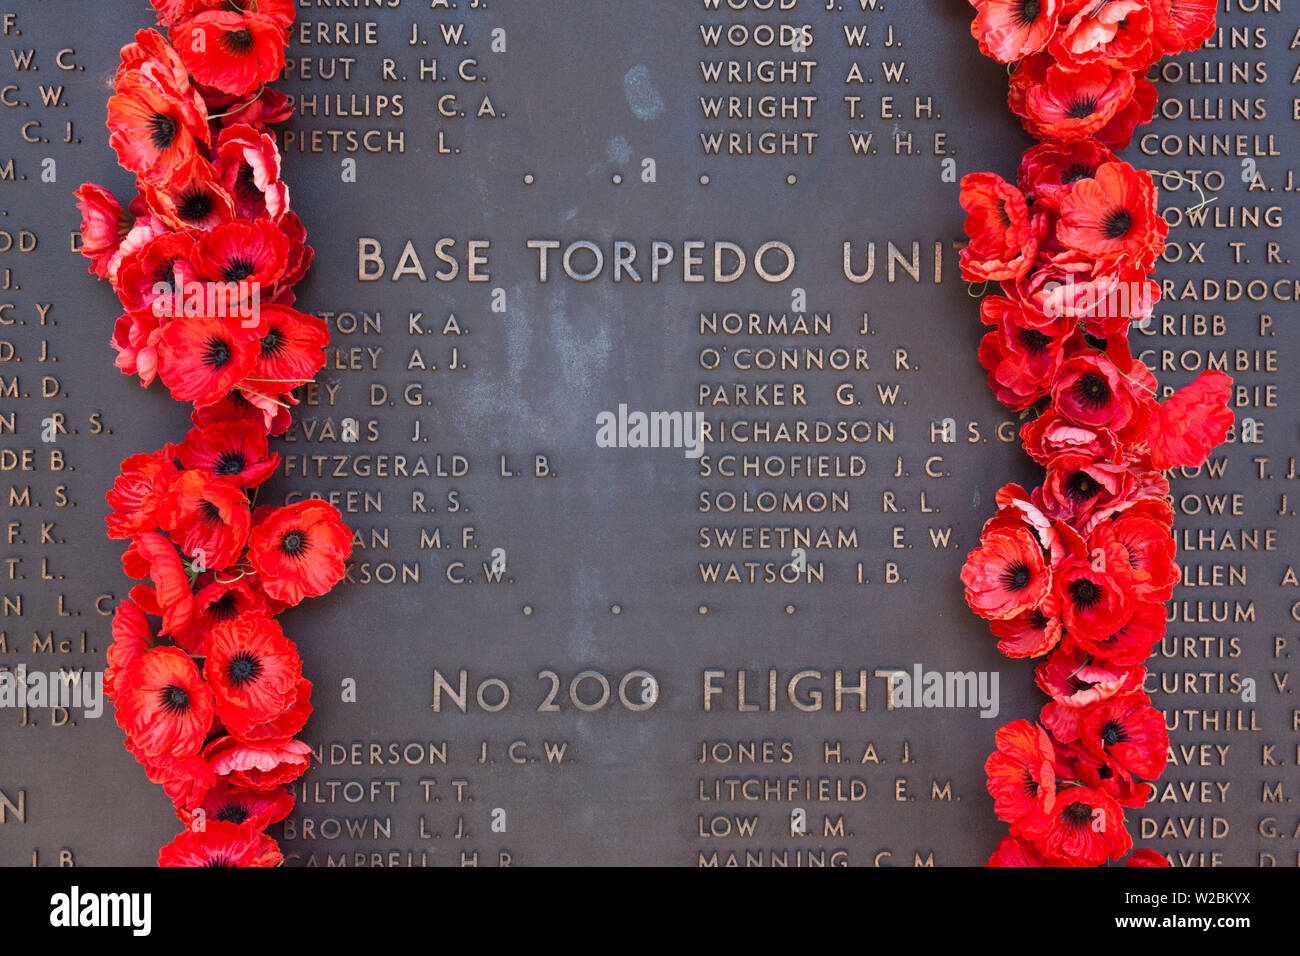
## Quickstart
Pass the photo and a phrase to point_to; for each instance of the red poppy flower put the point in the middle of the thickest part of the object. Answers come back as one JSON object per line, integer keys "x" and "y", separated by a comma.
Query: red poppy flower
{"x": 1145, "y": 857}
{"x": 231, "y": 52}
{"x": 1128, "y": 732}
{"x": 1003, "y": 239}
{"x": 1017, "y": 509}
{"x": 299, "y": 550}
{"x": 1010, "y": 30}
{"x": 170, "y": 12}
{"x": 1031, "y": 633}
{"x": 208, "y": 518}
{"x": 1021, "y": 360}
{"x": 300, "y": 254}
{"x": 191, "y": 199}
{"x": 239, "y": 251}
{"x": 288, "y": 722}
{"x": 253, "y": 670}
{"x": 248, "y": 164}
{"x": 1006, "y": 575}
{"x": 1057, "y": 102}
{"x": 1141, "y": 106}
{"x": 258, "y": 766}
{"x": 272, "y": 418}
{"x": 185, "y": 780}
{"x": 137, "y": 493}
{"x": 155, "y": 272}
{"x": 236, "y": 452}
{"x": 1116, "y": 33}
{"x": 201, "y": 359}
{"x": 1092, "y": 391}
{"x": 1150, "y": 549}
{"x": 153, "y": 134}
{"x": 1076, "y": 682}
{"x": 267, "y": 109}
{"x": 1106, "y": 296}
{"x": 1022, "y": 778}
{"x": 1113, "y": 296}
{"x": 219, "y": 597}
{"x": 220, "y": 844}
{"x": 152, "y": 556}
{"x": 238, "y": 805}
{"x": 131, "y": 638}
{"x": 1087, "y": 828}
{"x": 1049, "y": 170}
{"x": 1077, "y": 485}
{"x": 1075, "y": 764}
{"x": 1096, "y": 594}
{"x": 135, "y": 339}
{"x": 104, "y": 224}
{"x": 291, "y": 352}
{"x": 163, "y": 704}
{"x": 1192, "y": 423}
{"x": 1049, "y": 434}
{"x": 1114, "y": 215}
{"x": 1183, "y": 25}
{"x": 1133, "y": 642}
{"x": 151, "y": 60}
{"x": 1013, "y": 851}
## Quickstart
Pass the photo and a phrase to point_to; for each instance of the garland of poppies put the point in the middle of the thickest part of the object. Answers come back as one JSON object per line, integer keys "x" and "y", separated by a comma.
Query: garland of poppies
{"x": 204, "y": 260}
{"x": 1077, "y": 571}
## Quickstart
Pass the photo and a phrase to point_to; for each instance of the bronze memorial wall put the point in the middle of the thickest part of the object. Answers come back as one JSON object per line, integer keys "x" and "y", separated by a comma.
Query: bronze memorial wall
{"x": 552, "y": 646}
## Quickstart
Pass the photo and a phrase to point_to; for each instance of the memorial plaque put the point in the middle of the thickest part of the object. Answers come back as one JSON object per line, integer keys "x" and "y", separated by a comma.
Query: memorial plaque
{"x": 653, "y": 404}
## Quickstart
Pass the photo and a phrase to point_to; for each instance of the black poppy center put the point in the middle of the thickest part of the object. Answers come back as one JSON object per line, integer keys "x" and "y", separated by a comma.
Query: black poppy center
{"x": 238, "y": 268}
{"x": 1092, "y": 391}
{"x": 1117, "y": 224}
{"x": 237, "y": 42}
{"x": 230, "y": 462}
{"x": 1017, "y": 576}
{"x": 273, "y": 342}
{"x": 1031, "y": 785}
{"x": 224, "y": 608}
{"x": 232, "y": 812}
{"x": 1003, "y": 215}
{"x": 162, "y": 131}
{"x": 293, "y": 543}
{"x": 1026, "y": 11}
{"x": 1033, "y": 341}
{"x": 219, "y": 859}
{"x": 209, "y": 512}
{"x": 175, "y": 700}
{"x": 1077, "y": 684}
{"x": 166, "y": 272}
{"x": 1113, "y": 733}
{"x": 246, "y": 183}
{"x": 216, "y": 353}
{"x": 1081, "y": 107}
{"x": 1081, "y": 486}
{"x": 1037, "y": 619}
{"x": 1075, "y": 173}
{"x": 1077, "y": 815}
{"x": 194, "y": 205}
{"x": 1085, "y": 594}
{"x": 242, "y": 669}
